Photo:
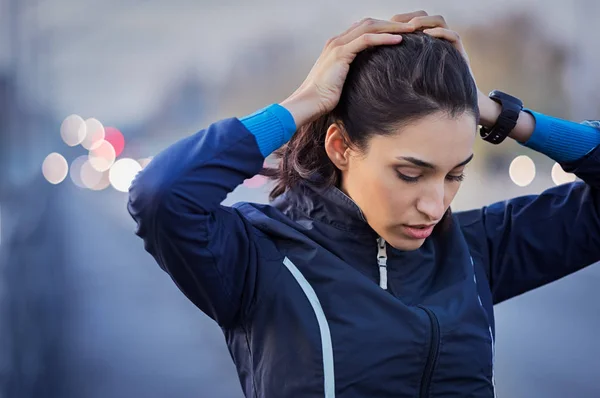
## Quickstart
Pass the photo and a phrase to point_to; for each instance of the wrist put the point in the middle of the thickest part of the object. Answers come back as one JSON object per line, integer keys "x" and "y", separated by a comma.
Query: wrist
{"x": 524, "y": 128}
{"x": 489, "y": 110}
{"x": 272, "y": 126}
{"x": 301, "y": 105}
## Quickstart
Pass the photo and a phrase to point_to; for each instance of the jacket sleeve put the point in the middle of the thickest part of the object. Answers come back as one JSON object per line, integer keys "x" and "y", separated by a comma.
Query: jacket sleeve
{"x": 208, "y": 249}
{"x": 530, "y": 241}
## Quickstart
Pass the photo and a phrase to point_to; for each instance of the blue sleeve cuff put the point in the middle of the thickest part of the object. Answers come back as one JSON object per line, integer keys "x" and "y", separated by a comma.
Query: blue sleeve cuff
{"x": 562, "y": 140}
{"x": 272, "y": 126}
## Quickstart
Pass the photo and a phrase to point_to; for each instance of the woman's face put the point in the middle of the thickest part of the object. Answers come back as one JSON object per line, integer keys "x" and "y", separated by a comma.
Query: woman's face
{"x": 405, "y": 182}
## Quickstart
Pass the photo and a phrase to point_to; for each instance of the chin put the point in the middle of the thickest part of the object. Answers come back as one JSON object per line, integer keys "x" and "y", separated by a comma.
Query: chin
{"x": 405, "y": 244}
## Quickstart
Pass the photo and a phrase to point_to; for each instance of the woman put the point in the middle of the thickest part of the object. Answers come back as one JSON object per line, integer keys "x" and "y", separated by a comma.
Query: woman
{"x": 357, "y": 281}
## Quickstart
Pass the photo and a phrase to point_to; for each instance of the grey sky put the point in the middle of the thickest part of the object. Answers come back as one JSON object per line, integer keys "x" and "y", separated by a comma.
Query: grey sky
{"x": 112, "y": 59}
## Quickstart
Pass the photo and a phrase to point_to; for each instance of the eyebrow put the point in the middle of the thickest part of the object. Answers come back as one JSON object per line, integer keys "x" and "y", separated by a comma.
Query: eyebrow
{"x": 427, "y": 165}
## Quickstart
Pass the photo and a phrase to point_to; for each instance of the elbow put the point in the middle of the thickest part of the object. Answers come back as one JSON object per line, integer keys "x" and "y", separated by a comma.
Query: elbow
{"x": 147, "y": 195}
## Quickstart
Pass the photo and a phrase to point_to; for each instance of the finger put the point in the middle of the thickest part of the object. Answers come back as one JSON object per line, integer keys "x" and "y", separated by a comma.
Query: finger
{"x": 351, "y": 28}
{"x": 337, "y": 40}
{"x": 451, "y": 36}
{"x": 446, "y": 34}
{"x": 430, "y": 21}
{"x": 369, "y": 40}
{"x": 369, "y": 26}
{"x": 408, "y": 16}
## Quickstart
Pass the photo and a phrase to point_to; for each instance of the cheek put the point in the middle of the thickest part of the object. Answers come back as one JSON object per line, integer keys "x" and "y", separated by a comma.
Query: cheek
{"x": 385, "y": 198}
{"x": 370, "y": 189}
{"x": 364, "y": 176}
{"x": 378, "y": 191}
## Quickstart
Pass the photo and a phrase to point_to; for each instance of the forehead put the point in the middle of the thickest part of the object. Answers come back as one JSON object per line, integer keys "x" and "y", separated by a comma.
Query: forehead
{"x": 438, "y": 139}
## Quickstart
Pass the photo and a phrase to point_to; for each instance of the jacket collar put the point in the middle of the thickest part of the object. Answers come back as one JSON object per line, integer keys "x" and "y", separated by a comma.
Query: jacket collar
{"x": 328, "y": 205}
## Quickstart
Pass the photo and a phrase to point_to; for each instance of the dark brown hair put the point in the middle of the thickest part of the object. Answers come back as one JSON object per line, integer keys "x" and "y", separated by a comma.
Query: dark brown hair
{"x": 386, "y": 88}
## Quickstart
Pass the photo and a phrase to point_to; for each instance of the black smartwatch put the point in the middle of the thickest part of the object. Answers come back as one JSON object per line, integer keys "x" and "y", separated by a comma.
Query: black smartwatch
{"x": 511, "y": 108}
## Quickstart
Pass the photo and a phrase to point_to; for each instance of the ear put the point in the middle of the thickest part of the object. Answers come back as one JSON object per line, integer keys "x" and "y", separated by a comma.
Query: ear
{"x": 336, "y": 146}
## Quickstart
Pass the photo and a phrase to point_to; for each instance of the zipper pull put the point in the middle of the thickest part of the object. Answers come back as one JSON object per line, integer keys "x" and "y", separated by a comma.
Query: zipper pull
{"x": 382, "y": 261}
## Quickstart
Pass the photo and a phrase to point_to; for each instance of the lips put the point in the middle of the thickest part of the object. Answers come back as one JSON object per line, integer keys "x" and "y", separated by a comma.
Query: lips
{"x": 422, "y": 231}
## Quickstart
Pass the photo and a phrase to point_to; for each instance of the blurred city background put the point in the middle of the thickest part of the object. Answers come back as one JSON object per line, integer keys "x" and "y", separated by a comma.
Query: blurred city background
{"x": 90, "y": 90}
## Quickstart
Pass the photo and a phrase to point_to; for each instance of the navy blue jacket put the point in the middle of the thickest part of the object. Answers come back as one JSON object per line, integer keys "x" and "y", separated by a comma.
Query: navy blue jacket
{"x": 294, "y": 285}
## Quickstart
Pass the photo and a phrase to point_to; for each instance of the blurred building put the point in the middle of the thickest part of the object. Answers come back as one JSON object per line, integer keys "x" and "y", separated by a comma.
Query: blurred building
{"x": 31, "y": 263}
{"x": 85, "y": 312}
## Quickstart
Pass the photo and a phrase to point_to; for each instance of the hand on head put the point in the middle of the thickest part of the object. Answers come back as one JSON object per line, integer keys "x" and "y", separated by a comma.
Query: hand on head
{"x": 320, "y": 92}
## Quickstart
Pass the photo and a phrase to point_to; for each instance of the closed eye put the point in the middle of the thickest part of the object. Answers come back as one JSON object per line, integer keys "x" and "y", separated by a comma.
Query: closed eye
{"x": 455, "y": 178}
{"x": 406, "y": 178}
{"x": 449, "y": 177}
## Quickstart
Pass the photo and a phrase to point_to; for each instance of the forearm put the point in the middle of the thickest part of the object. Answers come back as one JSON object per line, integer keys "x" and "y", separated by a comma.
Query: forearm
{"x": 561, "y": 140}
{"x": 490, "y": 111}
{"x": 176, "y": 201}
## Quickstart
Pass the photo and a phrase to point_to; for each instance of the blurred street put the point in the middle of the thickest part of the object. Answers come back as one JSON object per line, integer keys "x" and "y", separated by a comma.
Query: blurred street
{"x": 85, "y": 312}
{"x": 131, "y": 332}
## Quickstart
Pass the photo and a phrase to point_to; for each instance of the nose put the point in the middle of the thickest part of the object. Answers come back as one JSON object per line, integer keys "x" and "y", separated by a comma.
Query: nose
{"x": 431, "y": 203}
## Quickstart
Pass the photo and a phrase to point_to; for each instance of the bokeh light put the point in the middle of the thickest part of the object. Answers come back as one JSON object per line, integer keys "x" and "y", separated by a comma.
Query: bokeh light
{"x": 122, "y": 173}
{"x": 116, "y": 139}
{"x": 103, "y": 183}
{"x": 73, "y": 130}
{"x": 75, "y": 173}
{"x": 94, "y": 134}
{"x": 522, "y": 170}
{"x": 102, "y": 156}
{"x": 90, "y": 176}
{"x": 559, "y": 176}
{"x": 55, "y": 168}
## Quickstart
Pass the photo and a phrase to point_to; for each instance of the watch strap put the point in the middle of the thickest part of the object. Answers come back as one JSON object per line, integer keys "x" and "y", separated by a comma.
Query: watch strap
{"x": 507, "y": 120}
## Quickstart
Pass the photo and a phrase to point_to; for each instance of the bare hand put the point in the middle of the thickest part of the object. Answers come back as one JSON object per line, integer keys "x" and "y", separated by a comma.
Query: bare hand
{"x": 436, "y": 26}
{"x": 433, "y": 25}
{"x": 321, "y": 90}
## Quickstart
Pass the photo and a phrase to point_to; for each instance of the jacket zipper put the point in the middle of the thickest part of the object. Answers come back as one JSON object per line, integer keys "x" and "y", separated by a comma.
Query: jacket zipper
{"x": 434, "y": 343}
{"x": 434, "y": 348}
{"x": 382, "y": 262}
